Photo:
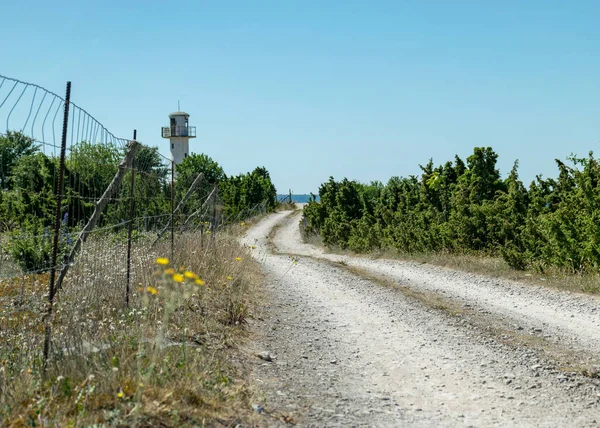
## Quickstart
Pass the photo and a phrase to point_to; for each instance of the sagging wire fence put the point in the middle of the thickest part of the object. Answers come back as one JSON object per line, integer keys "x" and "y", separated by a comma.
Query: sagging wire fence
{"x": 83, "y": 215}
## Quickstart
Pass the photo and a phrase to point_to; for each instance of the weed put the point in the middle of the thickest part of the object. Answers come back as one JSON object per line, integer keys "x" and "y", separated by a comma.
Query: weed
{"x": 159, "y": 361}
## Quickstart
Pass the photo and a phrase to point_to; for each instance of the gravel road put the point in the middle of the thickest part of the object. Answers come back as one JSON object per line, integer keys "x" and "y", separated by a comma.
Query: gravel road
{"x": 346, "y": 350}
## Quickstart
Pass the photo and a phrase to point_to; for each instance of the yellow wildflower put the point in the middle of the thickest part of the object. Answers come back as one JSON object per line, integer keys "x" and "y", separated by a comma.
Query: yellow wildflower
{"x": 178, "y": 277}
{"x": 229, "y": 278}
{"x": 243, "y": 224}
{"x": 163, "y": 261}
{"x": 152, "y": 290}
{"x": 190, "y": 275}
{"x": 120, "y": 394}
{"x": 238, "y": 258}
{"x": 253, "y": 247}
{"x": 200, "y": 282}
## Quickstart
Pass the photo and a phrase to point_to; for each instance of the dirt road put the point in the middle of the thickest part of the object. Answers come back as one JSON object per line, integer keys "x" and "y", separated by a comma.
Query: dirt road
{"x": 442, "y": 349}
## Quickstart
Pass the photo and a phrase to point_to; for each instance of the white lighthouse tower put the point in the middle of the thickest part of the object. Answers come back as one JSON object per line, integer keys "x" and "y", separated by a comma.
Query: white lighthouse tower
{"x": 179, "y": 133}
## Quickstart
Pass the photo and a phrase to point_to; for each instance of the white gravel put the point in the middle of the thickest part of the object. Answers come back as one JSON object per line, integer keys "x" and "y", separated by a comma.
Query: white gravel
{"x": 348, "y": 352}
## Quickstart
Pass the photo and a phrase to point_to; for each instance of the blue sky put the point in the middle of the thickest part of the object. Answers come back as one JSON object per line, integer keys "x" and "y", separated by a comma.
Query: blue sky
{"x": 309, "y": 89}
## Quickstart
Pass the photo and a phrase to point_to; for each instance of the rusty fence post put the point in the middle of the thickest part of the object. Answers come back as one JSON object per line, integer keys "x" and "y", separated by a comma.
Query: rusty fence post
{"x": 172, "y": 207}
{"x": 58, "y": 192}
{"x": 130, "y": 228}
{"x": 213, "y": 225}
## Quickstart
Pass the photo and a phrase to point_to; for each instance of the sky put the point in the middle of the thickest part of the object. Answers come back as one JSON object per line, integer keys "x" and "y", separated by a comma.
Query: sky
{"x": 311, "y": 89}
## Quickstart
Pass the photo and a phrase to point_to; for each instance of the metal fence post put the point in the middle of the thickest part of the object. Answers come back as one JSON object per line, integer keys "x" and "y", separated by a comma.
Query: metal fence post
{"x": 58, "y": 192}
{"x": 214, "y": 211}
{"x": 172, "y": 207}
{"x": 130, "y": 229}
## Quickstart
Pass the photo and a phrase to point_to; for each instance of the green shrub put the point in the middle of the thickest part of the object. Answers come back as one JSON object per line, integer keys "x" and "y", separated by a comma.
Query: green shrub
{"x": 31, "y": 246}
{"x": 467, "y": 207}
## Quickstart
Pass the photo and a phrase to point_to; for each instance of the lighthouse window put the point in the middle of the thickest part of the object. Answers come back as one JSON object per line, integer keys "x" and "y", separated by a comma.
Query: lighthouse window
{"x": 172, "y": 145}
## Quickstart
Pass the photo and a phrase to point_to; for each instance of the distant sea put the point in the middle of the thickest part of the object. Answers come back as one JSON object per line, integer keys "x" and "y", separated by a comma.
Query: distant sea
{"x": 297, "y": 198}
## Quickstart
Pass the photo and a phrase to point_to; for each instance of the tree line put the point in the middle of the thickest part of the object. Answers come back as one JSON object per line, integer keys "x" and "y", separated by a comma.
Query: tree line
{"x": 466, "y": 207}
{"x": 28, "y": 177}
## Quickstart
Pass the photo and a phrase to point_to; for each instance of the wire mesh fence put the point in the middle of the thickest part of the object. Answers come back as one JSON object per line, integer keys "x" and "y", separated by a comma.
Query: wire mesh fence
{"x": 83, "y": 216}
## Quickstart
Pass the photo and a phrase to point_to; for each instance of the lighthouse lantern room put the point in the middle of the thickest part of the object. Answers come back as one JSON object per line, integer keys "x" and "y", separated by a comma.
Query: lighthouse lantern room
{"x": 179, "y": 133}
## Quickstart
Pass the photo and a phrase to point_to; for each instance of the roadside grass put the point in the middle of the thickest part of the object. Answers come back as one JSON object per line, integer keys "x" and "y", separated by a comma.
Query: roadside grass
{"x": 315, "y": 240}
{"x": 286, "y": 206}
{"x": 496, "y": 267}
{"x": 481, "y": 264}
{"x": 169, "y": 359}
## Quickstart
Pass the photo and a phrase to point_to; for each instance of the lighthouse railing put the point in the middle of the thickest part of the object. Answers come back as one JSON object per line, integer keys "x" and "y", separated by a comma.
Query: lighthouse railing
{"x": 178, "y": 131}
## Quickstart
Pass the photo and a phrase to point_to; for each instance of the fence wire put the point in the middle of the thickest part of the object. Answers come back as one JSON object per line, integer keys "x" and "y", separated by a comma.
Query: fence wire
{"x": 114, "y": 259}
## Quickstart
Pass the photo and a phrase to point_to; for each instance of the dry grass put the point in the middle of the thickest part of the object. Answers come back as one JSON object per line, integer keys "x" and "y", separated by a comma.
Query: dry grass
{"x": 168, "y": 359}
{"x": 496, "y": 267}
{"x": 482, "y": 264}
{"x": 315, "y": 240}
{"x": 286, "y": 206}
{"x": 274, "y": 230}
